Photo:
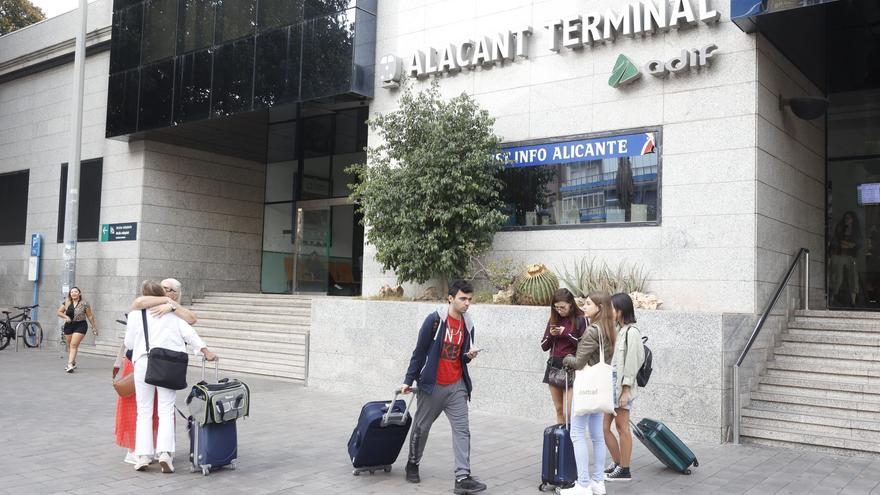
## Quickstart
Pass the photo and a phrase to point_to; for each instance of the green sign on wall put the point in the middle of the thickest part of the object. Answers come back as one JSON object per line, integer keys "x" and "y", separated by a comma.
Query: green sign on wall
{"x": 118, "y": 231}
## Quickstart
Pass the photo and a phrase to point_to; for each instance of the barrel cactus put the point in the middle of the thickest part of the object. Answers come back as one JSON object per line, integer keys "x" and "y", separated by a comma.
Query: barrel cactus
{"x": 536, "y": 286}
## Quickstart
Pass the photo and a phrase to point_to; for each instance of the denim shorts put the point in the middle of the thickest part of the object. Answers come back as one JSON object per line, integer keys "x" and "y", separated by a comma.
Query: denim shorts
{"x": 617, "y": 401}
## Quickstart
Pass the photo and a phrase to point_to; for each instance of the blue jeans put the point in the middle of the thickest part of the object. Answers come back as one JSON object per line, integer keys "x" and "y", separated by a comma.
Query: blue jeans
{"x": 579, "y": 425}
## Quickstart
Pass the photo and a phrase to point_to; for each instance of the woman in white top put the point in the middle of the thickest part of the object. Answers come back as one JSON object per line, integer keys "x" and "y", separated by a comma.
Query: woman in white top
{"x": 169, "y": 332}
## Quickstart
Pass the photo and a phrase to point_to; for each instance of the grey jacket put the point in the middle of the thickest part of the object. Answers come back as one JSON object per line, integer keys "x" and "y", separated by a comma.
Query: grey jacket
{"x": 588, "y": 350}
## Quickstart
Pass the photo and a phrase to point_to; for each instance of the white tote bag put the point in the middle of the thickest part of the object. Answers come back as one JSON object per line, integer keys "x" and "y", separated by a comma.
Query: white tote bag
{"x": 593, "y": 389}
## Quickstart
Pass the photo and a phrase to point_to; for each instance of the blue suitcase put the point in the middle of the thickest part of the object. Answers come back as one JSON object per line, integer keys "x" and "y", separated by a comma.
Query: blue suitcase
{"x": 558, "y": 467}
{"x": 379, "y": 435}
{"x": 212, "y": 445}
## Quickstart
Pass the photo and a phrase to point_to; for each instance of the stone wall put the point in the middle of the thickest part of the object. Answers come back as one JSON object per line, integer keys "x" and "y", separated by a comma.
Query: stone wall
{"x": 363, "y": 347}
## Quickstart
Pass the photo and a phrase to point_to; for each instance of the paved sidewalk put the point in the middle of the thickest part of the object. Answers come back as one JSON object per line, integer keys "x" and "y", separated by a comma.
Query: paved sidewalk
{"x": 56, "y": 431}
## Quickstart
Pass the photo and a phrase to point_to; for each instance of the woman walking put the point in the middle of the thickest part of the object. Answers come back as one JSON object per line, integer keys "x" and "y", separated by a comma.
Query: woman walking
{"x": 168, "y": 332}
{"x": 564, "y": 329}
{"x": 74, "y": 312}
{"x": 591, "y": 478}
{"x": 629, "y": 354}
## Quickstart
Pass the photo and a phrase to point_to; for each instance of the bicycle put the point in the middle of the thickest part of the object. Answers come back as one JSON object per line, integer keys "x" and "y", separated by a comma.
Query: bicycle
{"x": 21, "y": 324}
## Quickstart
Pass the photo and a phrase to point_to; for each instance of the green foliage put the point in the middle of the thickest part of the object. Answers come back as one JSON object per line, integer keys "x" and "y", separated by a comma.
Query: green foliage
{"x": 430, "y": 194}
{"x": 483, "y": 297}
{"x": 16, "y": 14}
{"x": 588, "y": 276}
{"x": 501, "y": 273}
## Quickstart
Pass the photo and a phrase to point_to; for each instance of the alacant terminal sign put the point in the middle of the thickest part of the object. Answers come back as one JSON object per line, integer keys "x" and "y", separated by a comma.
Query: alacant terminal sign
{"x": 573, "y": 32}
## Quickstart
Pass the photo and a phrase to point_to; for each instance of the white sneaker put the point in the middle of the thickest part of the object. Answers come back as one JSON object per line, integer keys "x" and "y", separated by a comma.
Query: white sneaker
{"x": 130, "y": 458}
{"x": 142, "y": 463}
{"x": 70, "y": 367}
{"x": 598, "y": 487}
{"x": 577, "y": 489}
{"x": 166, "y": 464}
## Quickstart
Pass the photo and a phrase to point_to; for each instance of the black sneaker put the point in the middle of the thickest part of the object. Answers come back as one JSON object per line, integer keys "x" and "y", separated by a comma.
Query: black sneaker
{"x": 611, "y": 468}
{"x": 467, "y": 485}
{"x": 619, "y": 474}
{"x": 412, "y": 472}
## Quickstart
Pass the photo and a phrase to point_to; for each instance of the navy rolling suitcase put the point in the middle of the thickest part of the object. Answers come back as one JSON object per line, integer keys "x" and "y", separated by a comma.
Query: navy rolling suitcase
{"x": 665, "y": 445}
{"x": 212, "y": 445}
{"x": 558, "y": 467}
{"x": 379, "y": 435}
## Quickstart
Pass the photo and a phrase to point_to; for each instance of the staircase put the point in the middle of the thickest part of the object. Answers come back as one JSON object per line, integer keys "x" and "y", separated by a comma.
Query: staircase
{"x": 821, "y": 390}
{"x": 262, "y": 334}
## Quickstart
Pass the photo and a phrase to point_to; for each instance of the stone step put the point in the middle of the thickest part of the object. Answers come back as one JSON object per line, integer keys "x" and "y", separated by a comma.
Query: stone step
{"x": 274, "y": 350}
{"x": 228, "y": 315}
{"x": 234, "y": 365}
{"x": 201, "y": 307}
{"x": 835, "y": 352}
{"x": 211, "y": 333}
{"x": 257, "y": 296}
{"x": 830, "y": 392}
{"x": 818, "y": 313}
{"x": 260, "y": 302}
{"x": 834, "y": 366}
{"x": 832, "y": 337}
{"x": 789, "y": 439}
{"x": 823, "y": 425}
{"x": 811, "y": 374}
{"x": 839, "y": 325}
{"x": 815, "y": 405}
{"x": 811, "y": 381}
{"x": 245, "y": 327}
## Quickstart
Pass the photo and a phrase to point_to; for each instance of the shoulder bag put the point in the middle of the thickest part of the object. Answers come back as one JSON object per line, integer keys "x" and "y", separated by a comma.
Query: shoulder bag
{"x": 165, "y": 368}
{"x": 593, "y": 389}
{"x": 125, "y": 385}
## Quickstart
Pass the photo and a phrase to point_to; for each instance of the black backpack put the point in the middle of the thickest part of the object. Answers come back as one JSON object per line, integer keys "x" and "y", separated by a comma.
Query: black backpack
{"x": 645, "y": 371}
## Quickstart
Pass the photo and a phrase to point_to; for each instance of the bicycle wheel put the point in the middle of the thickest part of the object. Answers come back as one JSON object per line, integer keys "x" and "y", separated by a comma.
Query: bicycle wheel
{"x": 4, "y": 336}
{"x": 33, "y": 333}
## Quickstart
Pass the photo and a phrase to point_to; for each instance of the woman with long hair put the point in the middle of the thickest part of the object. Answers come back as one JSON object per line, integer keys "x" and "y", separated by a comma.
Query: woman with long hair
{"x": 74, "y": 312}
{"x": 601, "y": 332}
{"x": 629, "y": 354}
{"x": 564, "y": 329}
{"x": 845, "y": 246}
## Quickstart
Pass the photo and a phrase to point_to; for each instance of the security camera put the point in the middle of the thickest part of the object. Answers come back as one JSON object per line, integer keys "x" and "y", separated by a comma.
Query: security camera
{"x": 806, "y": 108}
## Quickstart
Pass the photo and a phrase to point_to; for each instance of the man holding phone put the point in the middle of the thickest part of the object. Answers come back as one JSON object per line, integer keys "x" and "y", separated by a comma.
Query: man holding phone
{"x": 439, "y": 365}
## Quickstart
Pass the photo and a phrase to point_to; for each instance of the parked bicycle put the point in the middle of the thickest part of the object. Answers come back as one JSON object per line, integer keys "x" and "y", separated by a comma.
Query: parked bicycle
{"x": 21, "y": 324}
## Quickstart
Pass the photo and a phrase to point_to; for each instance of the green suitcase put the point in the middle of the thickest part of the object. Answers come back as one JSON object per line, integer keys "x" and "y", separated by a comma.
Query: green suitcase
{"x": 665, "y": 445}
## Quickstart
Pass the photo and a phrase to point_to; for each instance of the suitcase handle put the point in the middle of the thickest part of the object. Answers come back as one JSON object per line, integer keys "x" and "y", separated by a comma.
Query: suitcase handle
{"x": 398, "y": 419}
{"x": 216, "y": 368}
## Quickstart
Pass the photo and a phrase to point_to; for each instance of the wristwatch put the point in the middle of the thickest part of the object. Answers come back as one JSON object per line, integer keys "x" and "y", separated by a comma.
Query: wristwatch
{"x": 173, "y": 306}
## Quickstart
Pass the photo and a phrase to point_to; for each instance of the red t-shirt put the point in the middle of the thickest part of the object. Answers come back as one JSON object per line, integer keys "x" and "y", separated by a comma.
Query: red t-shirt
{"x": 449, "y": 367}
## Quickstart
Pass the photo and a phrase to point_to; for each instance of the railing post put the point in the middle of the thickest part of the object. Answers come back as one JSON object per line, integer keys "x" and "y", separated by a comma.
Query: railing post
{"x": 736, "y": 405}
{"x": 806, "y": 280}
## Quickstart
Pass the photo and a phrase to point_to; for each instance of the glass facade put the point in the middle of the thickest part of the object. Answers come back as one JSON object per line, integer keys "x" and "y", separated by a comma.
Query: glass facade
{"x": 177, "y": 61}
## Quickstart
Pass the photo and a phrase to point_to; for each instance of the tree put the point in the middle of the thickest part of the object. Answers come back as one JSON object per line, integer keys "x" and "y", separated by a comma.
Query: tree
{"x": 431, "y": 192}
{"x": 16, "y": 14}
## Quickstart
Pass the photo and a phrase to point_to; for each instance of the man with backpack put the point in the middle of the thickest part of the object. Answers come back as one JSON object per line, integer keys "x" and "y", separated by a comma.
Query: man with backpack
{"x": 439, "y": 365}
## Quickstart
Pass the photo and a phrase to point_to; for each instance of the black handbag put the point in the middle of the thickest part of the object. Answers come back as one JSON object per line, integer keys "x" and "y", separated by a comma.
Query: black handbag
{"x": 165, "y": 368}
{"x": 558, "y": 377}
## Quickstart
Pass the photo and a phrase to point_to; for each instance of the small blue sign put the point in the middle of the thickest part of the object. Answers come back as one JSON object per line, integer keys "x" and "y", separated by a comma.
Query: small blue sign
{"x": 36, "y": 244}
{"x": 579, "y": 150}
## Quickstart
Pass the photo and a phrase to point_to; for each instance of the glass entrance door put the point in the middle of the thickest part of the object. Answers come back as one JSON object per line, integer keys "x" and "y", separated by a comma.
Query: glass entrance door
{"x": 328, "y": 248}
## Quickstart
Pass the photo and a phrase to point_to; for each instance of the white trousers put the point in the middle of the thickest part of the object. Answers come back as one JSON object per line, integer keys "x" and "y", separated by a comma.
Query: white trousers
{"x": 143, "y": 444}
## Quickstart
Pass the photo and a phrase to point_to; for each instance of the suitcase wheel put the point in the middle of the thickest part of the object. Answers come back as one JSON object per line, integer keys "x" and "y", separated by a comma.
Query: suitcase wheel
{"x": 356, "y": 473}
{"x": 542, "y": 486}
{"x": 233, "y": 465}
{"x": 205, "y": 471}
{"x": 696, "y": 463}
{"x": 686, "y": 471}
{"x": 193, "y": 469}
{"x": 387, "y": 469}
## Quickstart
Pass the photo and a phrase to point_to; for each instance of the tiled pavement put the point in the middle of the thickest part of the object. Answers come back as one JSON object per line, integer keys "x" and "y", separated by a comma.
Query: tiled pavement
{"x": 56, "y": 435}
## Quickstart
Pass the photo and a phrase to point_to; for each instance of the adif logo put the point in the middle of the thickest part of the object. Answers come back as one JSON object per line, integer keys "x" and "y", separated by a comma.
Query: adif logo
{"x": 390, "y": 71}
{"x": 624, "y": 72}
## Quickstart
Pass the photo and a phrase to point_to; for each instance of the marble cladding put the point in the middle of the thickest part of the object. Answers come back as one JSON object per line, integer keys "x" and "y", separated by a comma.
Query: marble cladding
{"x": 363, "y": 347}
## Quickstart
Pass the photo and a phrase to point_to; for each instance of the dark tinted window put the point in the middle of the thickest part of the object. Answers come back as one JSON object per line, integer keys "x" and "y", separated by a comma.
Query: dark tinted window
{"x": 235, "y": 18}
{"x": 121, "y": 4}
{"x": 274, "y": 13}
{"x": 13, "y": 204}
{"x": 327, "y": 55}
{"x": 351, "y": 133}
{"x": 160, "y": 28}
{"x": 233, "y": 77}
{"x": 195, "y": 25}
{"x": 318, "y": 8}
{"x": 157, "y": 83}
{"x": 125, "y": 52}
{"x": 317, "y": 136}
{"x": 122, "y": 102}
{"x": 192, "y": 90}
{"x": 276, "y": 77}
{"x": 90, "y": 173}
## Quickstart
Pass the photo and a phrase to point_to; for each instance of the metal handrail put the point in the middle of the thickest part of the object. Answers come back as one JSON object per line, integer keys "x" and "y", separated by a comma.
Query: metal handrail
{"x": 802, "y": 253}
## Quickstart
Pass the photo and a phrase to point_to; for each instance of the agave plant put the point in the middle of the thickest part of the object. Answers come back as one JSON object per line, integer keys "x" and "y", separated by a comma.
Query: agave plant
{"x": 589, "y": 275}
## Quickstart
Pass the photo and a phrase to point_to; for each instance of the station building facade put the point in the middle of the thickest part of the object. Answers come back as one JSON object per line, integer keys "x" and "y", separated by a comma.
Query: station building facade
{"x": 649, "y": 132}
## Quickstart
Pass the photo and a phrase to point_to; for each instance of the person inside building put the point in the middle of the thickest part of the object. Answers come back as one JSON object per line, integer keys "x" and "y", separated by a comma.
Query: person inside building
{"x": 74, "y": 312}
{"x": 439, "y": 365}
{"x": 629, "y": 354}
{"x": 564, "y": 329}
{"x": 601, "y": 332}
{"x": 169, "y": 332}
{"x": 845, "y": 245}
